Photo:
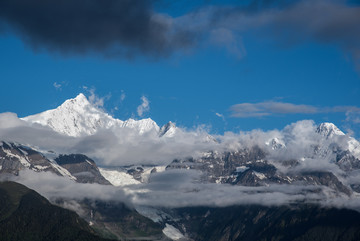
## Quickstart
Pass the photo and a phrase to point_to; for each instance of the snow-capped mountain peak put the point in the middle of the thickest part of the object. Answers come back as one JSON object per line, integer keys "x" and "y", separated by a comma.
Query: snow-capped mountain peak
{"x": 78, "y": 117}
{"x": 143, "y": 125}
{"x": 168, "y": 130}
{"x": 275, "y": 143}
{"x": 329, "y": 130}
{"x": 75, "y": 117}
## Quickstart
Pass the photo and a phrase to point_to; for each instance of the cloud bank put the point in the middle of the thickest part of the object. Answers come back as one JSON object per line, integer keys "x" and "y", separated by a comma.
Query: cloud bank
{"x": 181, "y": 188}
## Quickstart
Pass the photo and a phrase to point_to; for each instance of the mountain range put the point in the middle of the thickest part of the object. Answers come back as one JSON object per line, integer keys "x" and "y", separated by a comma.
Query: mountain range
{"x": 290, "y": 184}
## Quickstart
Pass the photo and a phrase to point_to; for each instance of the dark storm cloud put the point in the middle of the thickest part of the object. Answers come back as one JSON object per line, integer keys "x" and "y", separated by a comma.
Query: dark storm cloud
{"x": 109, "y": 27}
{"x": 132, "y": 27}
{"x": 333, "y": 22}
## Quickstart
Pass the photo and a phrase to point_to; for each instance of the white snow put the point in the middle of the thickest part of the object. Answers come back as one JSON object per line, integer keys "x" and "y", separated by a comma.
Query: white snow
{"x": 89, "y": 162}
{"x": 22, "y": 160}
{"x": 354, "y": 147}
{"x": 62, "y": 170}
{"x": 259, "y": 175}
{"x": 275, "y": 143}
{"x": 40, "y": 167}
{"x": 173, "y": 233}
{"x": 168, "y": 130}
{"x": 241, "y": 168}
{"x": 329, "y": 130}
{"x": 118, "y": 178}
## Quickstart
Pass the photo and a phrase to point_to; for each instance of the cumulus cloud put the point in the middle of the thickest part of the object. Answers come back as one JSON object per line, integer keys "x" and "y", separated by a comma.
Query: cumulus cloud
{"x": 266, "y": 108}
{"x": 143, "y": 107}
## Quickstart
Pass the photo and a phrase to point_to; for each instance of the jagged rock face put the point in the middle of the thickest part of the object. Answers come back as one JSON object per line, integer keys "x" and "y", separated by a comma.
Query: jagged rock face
{"x": 249, "y": 167}
{"x": 14, "y": 157}
{"x": 81, "y": 167}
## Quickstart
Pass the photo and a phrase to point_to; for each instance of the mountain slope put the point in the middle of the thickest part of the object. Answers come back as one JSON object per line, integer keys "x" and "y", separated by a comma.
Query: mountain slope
{"x": 25, "y": 215}
{"x": 80, "y": 168}
{"x": 284, "y": 223}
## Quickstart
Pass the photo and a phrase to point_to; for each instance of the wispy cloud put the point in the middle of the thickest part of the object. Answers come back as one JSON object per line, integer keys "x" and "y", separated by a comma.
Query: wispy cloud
{"x": 267, "y": 108}
{"x": 94, "y": 99}
{"x": 143, "y": 107}
{"x": 57, "y": 86}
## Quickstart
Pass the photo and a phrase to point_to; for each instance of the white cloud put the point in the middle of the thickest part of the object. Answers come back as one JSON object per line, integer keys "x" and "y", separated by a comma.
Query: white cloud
{"x": 122, "y": 96}
{"x": 233, "y": 44}
{"x": 177, "y": 188}
{"x": 95, "y": 99}
{"x": 219, "y": 115}
{"x": 267, "y": 108}
{"x": 143, "y": 107}
{"x": 57, "y": 86}
{"x": 353, "y": 116}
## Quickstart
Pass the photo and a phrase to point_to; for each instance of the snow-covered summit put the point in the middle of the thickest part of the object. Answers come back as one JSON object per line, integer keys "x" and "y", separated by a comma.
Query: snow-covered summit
{"x": 78, "y": 117}
{"x": 168, "y": 130}
{"x": 275, "y": 143}
{"x": 75, "y": 117}
{"x": 329, "y": 130}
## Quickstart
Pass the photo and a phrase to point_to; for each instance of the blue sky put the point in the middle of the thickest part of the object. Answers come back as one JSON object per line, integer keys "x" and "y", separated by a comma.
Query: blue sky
{"x": 232, "y": 71}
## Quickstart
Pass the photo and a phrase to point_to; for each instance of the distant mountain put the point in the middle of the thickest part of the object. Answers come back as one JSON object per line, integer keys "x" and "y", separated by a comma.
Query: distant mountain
{"x": 80, "y": 168}
{"x": 311, "y": 162}
{"x": 78, "y": 117}
{"x": 25, "y": 215}
{"x": 254, "y": 166}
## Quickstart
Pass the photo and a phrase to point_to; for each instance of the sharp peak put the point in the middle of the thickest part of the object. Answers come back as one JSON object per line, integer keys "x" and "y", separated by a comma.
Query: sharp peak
{"x": 80, "y": 96}
{"x": 79, "y": 100}
{"x": 328, "y": 129}
{"x": 327, "y": 124}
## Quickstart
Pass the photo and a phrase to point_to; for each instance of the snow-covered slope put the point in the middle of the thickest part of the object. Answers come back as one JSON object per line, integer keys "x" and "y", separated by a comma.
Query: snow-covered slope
{"x": 78, "y": 117}
{"x": 329, "y": 130}
{"x": 168, "y": 130}
{"x": 75, "y": 117}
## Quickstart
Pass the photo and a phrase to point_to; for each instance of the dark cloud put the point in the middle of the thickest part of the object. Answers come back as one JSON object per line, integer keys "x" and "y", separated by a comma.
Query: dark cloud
{"x": 327, "y": 22}
{"x": 132, "y": 27}
{"x": 108, "y": 27}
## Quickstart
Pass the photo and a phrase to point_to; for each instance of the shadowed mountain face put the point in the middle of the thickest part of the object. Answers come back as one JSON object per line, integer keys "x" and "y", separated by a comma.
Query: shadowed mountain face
{"x": 25, "y": 215}
{"x": 81, "y": 167}
{"x": 114, "y": 219}
{"x": 252, "y": 222}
